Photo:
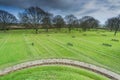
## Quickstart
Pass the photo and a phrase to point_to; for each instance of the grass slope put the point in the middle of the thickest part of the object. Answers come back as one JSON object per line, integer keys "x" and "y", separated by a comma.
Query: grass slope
{"x": 53, "y": 73}
{"x": 16, "y": 46}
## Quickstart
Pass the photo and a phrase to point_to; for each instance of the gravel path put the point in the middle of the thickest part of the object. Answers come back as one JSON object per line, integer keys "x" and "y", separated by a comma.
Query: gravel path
{"x": 91, "y": 67}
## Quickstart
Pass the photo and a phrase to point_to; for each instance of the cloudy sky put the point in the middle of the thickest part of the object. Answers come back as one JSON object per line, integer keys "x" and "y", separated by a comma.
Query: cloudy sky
{"x": 100, "y": 9}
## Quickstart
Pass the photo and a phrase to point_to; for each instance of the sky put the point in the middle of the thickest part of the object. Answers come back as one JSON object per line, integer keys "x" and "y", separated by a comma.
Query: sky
{"x": 99, "y": 9}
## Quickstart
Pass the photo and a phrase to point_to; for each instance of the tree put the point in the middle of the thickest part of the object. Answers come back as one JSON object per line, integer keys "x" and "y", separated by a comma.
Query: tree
{"x": 24, "y": 21}
{"x": 6, "y": 19}
{"x": 88, "y": 22}
{"x": 32, "y": 17}
{"x": 70, "y": 21}
{"x": 46, "y": 21}
{"x": 117, "y": 24}
{"x": 76, "y": 24}
{"x": 59, "y": 22}
{"x": 113, "y": 24}
{"x": 110, "y": 24}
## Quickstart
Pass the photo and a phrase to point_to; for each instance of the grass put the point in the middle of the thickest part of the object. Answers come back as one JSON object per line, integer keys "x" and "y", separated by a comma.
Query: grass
{"x": 53, "y": 73}
{"x": 17, "y": 46}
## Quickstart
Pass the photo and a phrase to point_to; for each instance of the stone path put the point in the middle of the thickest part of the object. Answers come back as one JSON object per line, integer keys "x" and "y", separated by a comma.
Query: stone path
{"x": 105, "y": 72}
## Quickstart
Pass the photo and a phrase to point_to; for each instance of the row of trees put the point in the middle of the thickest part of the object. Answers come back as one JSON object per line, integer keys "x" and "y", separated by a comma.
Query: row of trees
{"x": 35, "y": 17}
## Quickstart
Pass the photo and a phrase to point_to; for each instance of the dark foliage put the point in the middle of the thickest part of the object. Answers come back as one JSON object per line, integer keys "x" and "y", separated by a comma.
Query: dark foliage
{"x": 69, "y": 44}
{"x": 115, "y": 40}
{"x": 6, "y": 19}
{"x": 73, "y": 36}
{"x": 108, "y": 45}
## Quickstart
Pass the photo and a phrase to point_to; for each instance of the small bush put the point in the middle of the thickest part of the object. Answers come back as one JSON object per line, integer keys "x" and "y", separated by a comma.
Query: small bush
{"x": 80, "y": 30}
{"x": 98, "y": 32}
{"x": 65, "y": 31}
{"x": 26, "y": 35}
{"x": 104, "y": 35}
{"x": 32, "y": 44}
{"x": 69, "y": 44}
{"x": 103, "y": 31}
{"x": 73, "y": 36}
{"x": 108, "y": 45}
{"x": 84, "y": 34}
{"x": 115, "y": 40}
{"x": 48, "y": 35}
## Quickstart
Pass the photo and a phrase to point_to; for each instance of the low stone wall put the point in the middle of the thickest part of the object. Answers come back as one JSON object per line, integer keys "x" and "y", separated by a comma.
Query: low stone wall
{"x": 105, "y": 72}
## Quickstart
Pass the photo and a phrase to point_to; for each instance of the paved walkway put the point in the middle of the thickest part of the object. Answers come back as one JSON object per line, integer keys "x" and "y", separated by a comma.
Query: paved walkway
{"x": 91, "y": 67}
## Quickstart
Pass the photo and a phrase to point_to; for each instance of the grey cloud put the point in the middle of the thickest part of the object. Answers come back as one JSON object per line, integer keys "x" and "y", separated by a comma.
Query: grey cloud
{"x": 77, "y": 7}
{"x": 89, "y": 11}
{"x": 63, "y": 5}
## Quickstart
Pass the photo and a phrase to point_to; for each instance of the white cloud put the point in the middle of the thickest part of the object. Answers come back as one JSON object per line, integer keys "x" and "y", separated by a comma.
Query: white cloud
{"x": 102, "y": 11}
{"x": 114, "y": 2}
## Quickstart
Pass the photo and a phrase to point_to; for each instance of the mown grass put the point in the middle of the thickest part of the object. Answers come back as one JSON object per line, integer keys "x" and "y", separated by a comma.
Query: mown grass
{"x": 53, "y": 73}
{"x": 16, "y": 46}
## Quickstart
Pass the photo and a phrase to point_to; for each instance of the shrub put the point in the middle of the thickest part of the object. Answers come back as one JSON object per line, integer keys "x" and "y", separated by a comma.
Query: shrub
{"x": 105, "y": 44}
{"x": 115, "y": 40}
{"x": 48, "y": 35}
{"x": 26, "y": 35}
{"x": 69, "y": 44}
{"x": 32, "y": 44}
{"x": 84, "y": 34}
{"x": 65, "y": 31}
{"x": 73, "y": 36}
{"x": 103, "y": 31}
{"x": 98, "y": 32}
{"x": 80, "y": 30}
{"x": 104, "y": 35}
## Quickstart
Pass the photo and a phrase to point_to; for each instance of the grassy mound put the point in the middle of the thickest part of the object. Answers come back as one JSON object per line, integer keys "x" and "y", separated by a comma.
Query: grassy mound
{"x": 53, "y": 73}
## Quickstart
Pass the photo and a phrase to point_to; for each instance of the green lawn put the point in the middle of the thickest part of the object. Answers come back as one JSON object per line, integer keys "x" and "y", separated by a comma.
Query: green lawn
{"x": 16, "y": 47}
{"x": 53, "y": 73}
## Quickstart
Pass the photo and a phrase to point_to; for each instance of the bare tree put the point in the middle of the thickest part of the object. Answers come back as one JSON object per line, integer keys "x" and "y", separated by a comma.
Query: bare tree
{"x": 88, "y": 22}
{"x": 24, "y": 21}
{"x": 117, "y": 24}
{"x": 47, "y": 21}
{"x": 110, "y": 24}
{"x": 113, "y": 24}
{"x": 76, "y": 24}
{"x": 32, "y": 17}
{"x": 6, "y": 19}
{"x": 70, "y": 21}
{"x": 58, "y": 22}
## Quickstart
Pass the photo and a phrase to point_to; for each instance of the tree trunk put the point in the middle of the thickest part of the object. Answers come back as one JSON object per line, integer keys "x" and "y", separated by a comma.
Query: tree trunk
{"x": 36, "y": 30}
{"x": 116, "y": 30}
{"x": 115, "y": 33}
{"x": 46, "y": 28}
{"x": 69, "y": 28}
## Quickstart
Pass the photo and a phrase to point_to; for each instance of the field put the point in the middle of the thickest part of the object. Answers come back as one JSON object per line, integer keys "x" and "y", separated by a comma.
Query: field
{"x": 18, "y": 46}
{"x": 53, "y": 73}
